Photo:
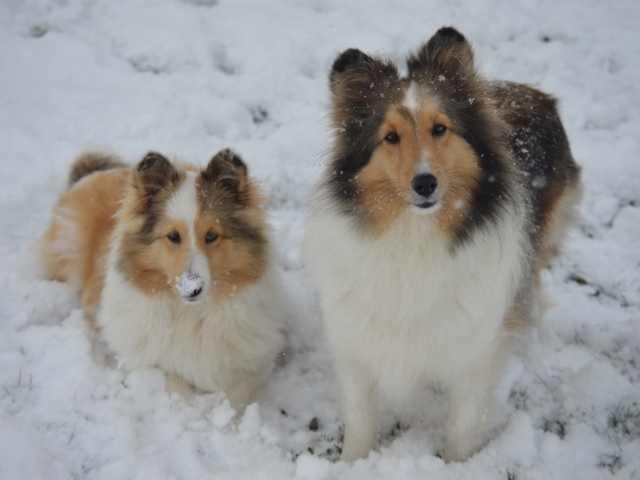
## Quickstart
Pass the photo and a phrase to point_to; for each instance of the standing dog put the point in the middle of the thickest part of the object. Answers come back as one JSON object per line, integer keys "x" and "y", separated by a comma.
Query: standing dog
{"x": 174, "y": 266}
{"x": 444, "y": 197}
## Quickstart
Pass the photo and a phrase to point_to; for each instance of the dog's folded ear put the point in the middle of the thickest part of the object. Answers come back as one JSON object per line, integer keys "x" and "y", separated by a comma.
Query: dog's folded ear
{"x": 227, "y": 169}
{"x": 448, "y": 52}
{"x": 153, "y": 173}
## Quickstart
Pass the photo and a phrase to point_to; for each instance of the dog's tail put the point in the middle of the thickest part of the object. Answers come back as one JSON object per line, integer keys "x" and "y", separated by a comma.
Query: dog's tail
{"x": 93, "y": 161}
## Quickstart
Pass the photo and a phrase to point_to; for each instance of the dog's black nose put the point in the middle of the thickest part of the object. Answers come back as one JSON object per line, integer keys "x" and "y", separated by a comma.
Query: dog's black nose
{"x": 195, "y": 293}
{"x": 424, "y": 184}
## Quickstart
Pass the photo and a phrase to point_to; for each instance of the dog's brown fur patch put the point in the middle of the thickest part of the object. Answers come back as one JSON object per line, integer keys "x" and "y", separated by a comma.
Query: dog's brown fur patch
{"x": 74, "y": 247}
{"x": 232, "y": 204}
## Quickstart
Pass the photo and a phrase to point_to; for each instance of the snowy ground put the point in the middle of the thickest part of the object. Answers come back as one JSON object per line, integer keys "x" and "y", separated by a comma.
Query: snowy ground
{"x": 188, "y": 77}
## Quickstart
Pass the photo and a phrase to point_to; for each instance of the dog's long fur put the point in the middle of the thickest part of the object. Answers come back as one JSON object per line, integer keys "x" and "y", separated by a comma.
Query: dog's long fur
{"x": 174, "y": 267}
{"x": 444, "y": 197}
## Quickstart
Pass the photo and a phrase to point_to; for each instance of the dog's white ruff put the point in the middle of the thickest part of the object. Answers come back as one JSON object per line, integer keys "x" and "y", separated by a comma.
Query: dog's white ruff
{"x": 216, "y": 346}
{"x": 402, "y": 311}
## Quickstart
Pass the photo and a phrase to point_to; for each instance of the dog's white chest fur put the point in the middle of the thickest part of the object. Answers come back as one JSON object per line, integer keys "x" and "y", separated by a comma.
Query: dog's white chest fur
{"x": 212, "y": 345}
{"x": 402, "y": 308}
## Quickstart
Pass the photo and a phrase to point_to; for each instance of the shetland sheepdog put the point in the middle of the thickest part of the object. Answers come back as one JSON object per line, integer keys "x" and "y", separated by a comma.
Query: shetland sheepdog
{"x": 444, "y": 197}
{"x": 174, "y": 267}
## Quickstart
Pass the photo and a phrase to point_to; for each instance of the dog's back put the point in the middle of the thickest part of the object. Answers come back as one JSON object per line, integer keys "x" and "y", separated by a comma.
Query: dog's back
{"x": 539, "y": 144}
{"x": 74, "y": 247}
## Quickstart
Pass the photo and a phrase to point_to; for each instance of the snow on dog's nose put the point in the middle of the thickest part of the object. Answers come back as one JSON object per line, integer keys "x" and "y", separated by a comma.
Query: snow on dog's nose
{"x": 190, "y": 287}
{"x": 194, "y": 284}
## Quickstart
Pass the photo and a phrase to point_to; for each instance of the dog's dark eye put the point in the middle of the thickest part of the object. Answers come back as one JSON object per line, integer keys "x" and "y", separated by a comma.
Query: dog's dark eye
{"x": 210, "y": 237}
{"x": 439, "y": 130}
{"x": 392, "y": 138}
{"x": 174, "y": 237}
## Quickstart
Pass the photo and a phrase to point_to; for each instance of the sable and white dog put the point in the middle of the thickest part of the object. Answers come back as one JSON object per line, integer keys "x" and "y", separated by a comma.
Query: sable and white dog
{"x": 175, "y": 268}
{"x": 444, "y": 197}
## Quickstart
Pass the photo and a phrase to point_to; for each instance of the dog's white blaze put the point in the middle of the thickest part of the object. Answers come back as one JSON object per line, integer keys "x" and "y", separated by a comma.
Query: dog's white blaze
{"x": 184, "y": 205}
{"x": 412, "y": 98}
{"x": 423, "y": 165}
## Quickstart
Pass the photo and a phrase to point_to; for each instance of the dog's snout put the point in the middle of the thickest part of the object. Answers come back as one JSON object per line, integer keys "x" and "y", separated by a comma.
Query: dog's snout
{"x": 191, "y": 287}
{"x": 424, "y": 184}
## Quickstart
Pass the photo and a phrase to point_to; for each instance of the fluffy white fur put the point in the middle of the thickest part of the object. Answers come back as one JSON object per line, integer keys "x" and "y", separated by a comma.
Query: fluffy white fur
{"x": 401, "y": 311}
{"x": 225, "y": 346}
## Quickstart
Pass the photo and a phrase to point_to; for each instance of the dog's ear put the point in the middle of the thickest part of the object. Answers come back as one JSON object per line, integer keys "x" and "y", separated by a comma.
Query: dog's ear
{"x": 447, "y": 53}
{"x": 354, "y": 68}
{"x": 361, "y": 87}
{"x": 227, "y": 169}
{"x": 347, "y": 64}
{"x": 153, "y": 173}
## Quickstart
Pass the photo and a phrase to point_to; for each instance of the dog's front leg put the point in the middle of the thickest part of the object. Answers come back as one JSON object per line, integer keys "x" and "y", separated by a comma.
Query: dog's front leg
{"x": 242, "y": 392}
{"x": 358, "y": 412}
{"x": 471, "y": 398}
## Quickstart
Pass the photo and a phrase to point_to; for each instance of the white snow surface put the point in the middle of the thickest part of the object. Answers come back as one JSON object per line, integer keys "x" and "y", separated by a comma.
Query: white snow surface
{"x": 189, "y": 77}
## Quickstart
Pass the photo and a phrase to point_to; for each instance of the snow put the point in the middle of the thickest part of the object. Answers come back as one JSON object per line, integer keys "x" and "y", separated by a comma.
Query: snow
{"x": 187, "y": 284}
{"x": 187, "y": 78}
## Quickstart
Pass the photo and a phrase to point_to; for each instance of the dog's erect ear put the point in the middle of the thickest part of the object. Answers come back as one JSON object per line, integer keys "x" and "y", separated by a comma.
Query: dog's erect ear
{"x": 348, "y": 59}
{"x": 447, "y": 53}
{"x": 153, "y": 173}
{"x": 228, "y": 170}
{"x": 353, "y": 65}
{"x": 362, "y": 87}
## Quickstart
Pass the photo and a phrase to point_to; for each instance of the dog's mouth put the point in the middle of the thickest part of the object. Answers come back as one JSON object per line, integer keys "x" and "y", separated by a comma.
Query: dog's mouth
{"x": 425, "y": 205}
